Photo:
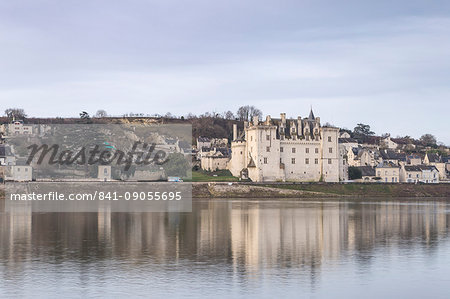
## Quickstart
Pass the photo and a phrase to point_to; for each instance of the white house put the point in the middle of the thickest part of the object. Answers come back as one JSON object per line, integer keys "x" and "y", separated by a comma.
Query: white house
{"x": 419, "y": 174}
{"x": 18, "y": 128}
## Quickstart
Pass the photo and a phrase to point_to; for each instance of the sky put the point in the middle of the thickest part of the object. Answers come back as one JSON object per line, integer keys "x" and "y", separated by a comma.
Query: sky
{"x": 382, "y": 63}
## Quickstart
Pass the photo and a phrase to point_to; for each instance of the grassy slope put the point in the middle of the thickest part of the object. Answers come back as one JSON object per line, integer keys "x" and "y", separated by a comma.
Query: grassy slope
{"x": 368, "y": 190}
{"x": 205, "y": 176}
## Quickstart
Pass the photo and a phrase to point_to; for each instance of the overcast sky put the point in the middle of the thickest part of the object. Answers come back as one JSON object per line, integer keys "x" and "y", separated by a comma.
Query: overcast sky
{"x": 384, "y": 63}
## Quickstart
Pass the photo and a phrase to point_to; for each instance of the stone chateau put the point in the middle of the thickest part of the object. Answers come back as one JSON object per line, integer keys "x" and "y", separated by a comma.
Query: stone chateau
{"x": 286, "y": 150}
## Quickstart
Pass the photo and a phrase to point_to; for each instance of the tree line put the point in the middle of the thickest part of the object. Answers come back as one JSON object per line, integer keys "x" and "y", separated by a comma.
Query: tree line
{"x": 209, "y": 124}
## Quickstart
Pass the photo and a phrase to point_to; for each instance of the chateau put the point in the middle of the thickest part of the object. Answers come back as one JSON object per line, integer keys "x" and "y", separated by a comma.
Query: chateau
{"x": 286, "y": 150}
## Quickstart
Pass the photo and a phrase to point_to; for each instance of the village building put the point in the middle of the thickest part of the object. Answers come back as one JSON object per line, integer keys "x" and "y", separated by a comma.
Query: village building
{"x": 352, "y": 155}
{"x": 419, "y": 174}
{"x": 413, "y": 160}
{"x": 391, "y": 156}
{"x": 203, "y": 142}
{"x": 367, "y": 157}
{"x": 363, "y": 156}
{"x": 435, "y": 160}
{"x": 286, "y": 150}
{"x": 20, "y": 172}
{"x": 18, "y": 128}
{"x": 446, "y": 160}
{"x": 368, "y": 173}
{"x": 6, "y": 155}
{"x": 348, "y": 143}
{"x": 388, "y": 172}
{"x": 215, "y": 160}
{"x": 388, "y": 143}
{"x": 343, "y": 163}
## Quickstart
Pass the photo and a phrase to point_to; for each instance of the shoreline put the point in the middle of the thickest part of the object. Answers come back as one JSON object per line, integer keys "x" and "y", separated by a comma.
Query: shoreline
{"x": 276, "y": 190}
{"x": 317, "y": 190}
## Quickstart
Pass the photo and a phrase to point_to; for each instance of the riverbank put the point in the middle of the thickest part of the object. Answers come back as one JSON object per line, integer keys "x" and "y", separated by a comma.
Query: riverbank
{"x": 312, "y": 190}
{"x": 316, "y": 190}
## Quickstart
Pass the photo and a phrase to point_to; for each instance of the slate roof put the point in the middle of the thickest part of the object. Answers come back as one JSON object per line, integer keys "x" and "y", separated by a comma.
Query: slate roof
{"x": 420, "y": 167}
{"x": 251, "y": 163}
{"x": 5, "y": 150}
{"x": 367, "y": 170}
{"x": 433, "y": 158}
{"x": 387, "y": 154}
{"x": 311, "y": 116}
{"x": 387, "y": 165}
{"x": 203, "y": 139}
{"x": 347, "y": 140}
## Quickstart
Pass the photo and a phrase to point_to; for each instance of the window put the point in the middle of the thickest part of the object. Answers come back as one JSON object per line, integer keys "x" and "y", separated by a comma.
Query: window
{"x": 281, "y": 149}
{"x": 316, "y": 161}
{"x": 330, "y": 150}
{"x": 251, "y": 138}
{"x": 329, "y": 161}
{"x": 306, "y": 161}
{"x": 307, "y": 150}
{"x": 267, "y": 137}
{"x": 293, "y": 150}
{"x": 265, "y": 160}
{"x": 392, "y": 179}
{"x": 379, "y": 173}
{"x": 267, "y": 148}
{"x": 105, "y": 171}
{"x": 18, "y": 169}
{"x": 317, "y": 150}
{"x": 293, "y": 160}
{"x": 26, "y": 169}
{"x": 409, "y": 175}
{"x": 241, "y": 152}
{"x": 329, "y": 138}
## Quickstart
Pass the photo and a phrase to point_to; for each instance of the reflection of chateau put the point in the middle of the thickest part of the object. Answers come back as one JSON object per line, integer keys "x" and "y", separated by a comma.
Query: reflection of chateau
{"x": 242, "y": 236}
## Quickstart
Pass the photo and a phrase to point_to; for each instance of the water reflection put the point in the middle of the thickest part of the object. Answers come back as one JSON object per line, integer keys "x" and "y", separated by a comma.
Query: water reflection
{"x": 248, "y": 244}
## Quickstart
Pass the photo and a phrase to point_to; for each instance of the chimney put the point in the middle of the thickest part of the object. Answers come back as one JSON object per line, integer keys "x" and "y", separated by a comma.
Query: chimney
{"x": 283, "y": 118}
{"x": 268, "y": 119}
{"x": 255, "y": 120}
{"x": 234, "y": 132}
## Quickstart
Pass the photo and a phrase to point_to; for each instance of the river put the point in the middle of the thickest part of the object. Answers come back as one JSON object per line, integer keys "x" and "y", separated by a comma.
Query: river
{"x": 233, "y": 248}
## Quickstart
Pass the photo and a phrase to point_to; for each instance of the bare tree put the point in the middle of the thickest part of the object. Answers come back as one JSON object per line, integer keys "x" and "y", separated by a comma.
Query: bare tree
{"x": 190, "y": 116}
{"x": 101, "y": 113}
{"x": 228, "y": 115}
{"x": 247, "y": 112}
{"x": 255, "y": 112}
{"x": 242, "y": 113}
{"x": 15, "y": 113}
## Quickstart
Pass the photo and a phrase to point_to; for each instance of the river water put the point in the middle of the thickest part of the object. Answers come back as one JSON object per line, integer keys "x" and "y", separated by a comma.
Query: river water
{"x": 232, "y": 248}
